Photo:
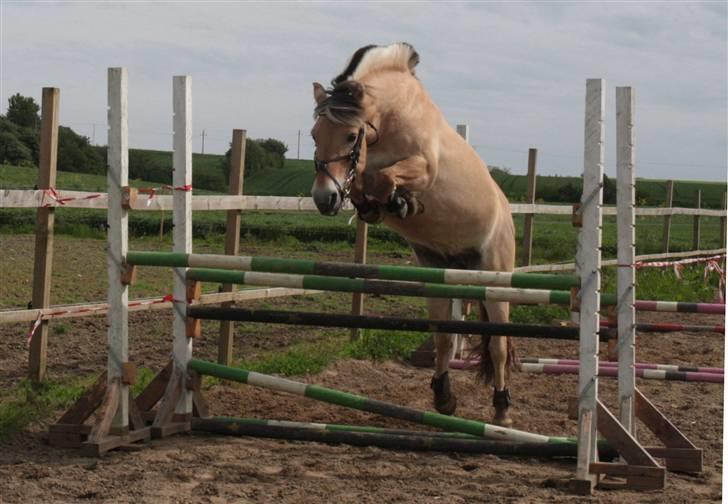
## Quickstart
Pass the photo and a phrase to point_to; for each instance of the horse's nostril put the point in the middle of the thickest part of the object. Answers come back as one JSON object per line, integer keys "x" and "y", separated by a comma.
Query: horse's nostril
{"x": 333, "y": 199}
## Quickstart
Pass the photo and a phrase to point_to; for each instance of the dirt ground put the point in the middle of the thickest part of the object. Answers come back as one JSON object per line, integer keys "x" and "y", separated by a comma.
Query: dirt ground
{"x": 210, "y": 469}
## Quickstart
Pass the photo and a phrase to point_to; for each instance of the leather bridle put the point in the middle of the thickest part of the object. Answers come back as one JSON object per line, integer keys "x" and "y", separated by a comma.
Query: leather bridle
{"x": 353, "y": 158}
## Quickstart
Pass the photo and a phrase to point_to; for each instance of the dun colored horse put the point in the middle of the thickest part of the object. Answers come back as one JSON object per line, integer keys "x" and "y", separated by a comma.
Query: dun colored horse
{"x": 383, "y": 143}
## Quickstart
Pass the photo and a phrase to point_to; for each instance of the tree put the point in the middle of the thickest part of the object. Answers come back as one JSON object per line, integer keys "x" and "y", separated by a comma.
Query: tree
{"x": 23, "y": 111}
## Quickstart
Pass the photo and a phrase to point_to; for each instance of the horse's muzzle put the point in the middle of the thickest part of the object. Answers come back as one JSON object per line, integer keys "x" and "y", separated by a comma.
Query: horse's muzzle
{"x": 327, "y": 202}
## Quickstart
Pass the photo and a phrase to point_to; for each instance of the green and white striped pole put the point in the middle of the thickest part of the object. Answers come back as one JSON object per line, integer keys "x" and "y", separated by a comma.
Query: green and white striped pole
{"x": 367, "y": 286}
{"x": 450, "y": 423}
{"x": 381, "y": 272}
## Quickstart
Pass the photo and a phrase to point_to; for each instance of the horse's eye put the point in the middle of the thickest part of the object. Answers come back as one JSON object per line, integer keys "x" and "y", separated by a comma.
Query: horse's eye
{"x": 351, "y": 137}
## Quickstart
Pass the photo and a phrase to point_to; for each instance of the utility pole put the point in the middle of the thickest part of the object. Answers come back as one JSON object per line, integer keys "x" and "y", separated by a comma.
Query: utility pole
{"x": 298, "y": 151}
{"x": 93, "y": 134}
{"x": 203, "y": 141}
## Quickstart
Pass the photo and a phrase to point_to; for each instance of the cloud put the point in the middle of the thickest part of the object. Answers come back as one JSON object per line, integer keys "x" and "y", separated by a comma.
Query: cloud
{"x": 514, "y": 72}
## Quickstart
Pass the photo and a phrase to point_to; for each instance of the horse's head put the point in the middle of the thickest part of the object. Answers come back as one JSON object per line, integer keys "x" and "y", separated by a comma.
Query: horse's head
{"x": 341, "y": 134}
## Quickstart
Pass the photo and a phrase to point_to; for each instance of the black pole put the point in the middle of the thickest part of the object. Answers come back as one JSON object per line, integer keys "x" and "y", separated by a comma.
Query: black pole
{"x": 389, "y": 323}
{"x": 413, "y": 442}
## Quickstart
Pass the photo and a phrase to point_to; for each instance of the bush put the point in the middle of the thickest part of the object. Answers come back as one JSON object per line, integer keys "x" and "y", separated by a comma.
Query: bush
{"x": 75, "y": 153}
{"x": 13, "y": 151}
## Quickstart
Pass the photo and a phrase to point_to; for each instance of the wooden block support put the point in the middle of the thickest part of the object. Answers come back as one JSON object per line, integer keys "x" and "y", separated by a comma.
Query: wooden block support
{"x": 128, "y": 373}
{"x": 526, "y": 250}
{"x": 45, "y": 218}
{"x": 232, "y": 241}
{"x": 128, "y": 197}
{"x": 576, "y": 216}
{"x": 669, "y": 189}
{"x": 128, "y": 274}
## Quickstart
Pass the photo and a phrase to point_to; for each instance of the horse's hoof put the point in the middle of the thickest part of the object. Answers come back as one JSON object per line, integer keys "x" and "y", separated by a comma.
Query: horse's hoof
{"x": 501, "y": 403}
{"x": 444, "y": 401}
{"x": 502, "y": 418}
{"x": 397, "y": 205}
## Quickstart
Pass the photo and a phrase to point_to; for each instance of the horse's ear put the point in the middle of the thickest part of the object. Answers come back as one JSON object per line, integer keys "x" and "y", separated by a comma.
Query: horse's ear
{"x": 319, "y": 93}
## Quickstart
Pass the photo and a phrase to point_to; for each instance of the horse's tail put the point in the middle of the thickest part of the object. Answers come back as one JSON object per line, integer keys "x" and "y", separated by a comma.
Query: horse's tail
{"x": 486, "y": 372}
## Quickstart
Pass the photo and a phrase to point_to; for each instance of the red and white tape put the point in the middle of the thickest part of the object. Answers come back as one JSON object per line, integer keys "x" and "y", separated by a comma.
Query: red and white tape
{"x": 55, "y": 195}
{"x": 151, "y": 191}
{"x": 169, "y": 298}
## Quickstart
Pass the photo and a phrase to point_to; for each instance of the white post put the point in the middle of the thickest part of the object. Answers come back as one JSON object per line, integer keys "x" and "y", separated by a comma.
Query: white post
{"x": 117, "y": 237}
{"x": 456, "y": 305}
{"x": 590, "y": 260}
{"x": 182, "y": 201}
{"x": 625, "y": 256}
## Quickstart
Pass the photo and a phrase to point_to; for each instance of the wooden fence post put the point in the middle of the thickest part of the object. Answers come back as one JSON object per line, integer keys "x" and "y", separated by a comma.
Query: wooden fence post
{"x": 723, "y": 221}
{"x": 45, "y": 218}
{"x": 696, "y": 221}
{"x": 668, "y": 218}
{"x": 232, "y": 241}
{"x": 528, "y": 218}
{"x": 360, "y": 257}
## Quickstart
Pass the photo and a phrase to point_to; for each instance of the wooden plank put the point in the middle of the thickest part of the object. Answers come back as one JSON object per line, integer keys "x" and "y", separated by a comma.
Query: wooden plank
{"x": 625, "y": 101}
{"x": 360, "y": 257}
{"x": 87, "y": 403}
{"x": 107, "y": 411}
{"x": 669, "y": 190}
{"x": 182, "y": 234}
{"x": 135, "y": 417}
{"x": 45, "y": 218}
{"x": 589, "y": 259}
{"x": 118, "y": 237}
{"x": 696, "y": 220}
{"x": 32, "y": 198}
{"x": 616, "y": 469}
{"x": 172, "y": 393}
{"x": 232, "y": 241}
{"x": 145, "y": 304}
{"x": 659, "y": 424}
{"x": 151, "y": 395}
{"x": 526, "y": 249}
{"x": 626, "y": 445}
{"x": 544, "y": 268}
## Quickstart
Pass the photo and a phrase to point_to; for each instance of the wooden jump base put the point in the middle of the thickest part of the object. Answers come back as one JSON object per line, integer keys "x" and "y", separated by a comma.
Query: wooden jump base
{"x": 605, "y": 371}
{"x": 386, "y": 323}
{"x": 341, "y": 269}
{"x": 642, "y": 365}
{"x": 386, "y": 438}
{"x": 331, "y": 396}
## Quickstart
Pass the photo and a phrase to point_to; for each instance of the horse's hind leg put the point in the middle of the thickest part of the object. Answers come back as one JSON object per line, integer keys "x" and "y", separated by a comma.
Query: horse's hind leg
{"x": 498, "y": 350}
{"x": 444, "y": 400}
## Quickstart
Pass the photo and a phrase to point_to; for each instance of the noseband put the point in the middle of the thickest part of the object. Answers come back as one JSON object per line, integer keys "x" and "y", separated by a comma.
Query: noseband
{"x": 321, "y": 166}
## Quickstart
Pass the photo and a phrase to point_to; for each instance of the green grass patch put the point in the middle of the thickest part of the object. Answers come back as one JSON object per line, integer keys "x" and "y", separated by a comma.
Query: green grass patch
{"x": 27, "y": 404}
{"x": 383, "y": 344}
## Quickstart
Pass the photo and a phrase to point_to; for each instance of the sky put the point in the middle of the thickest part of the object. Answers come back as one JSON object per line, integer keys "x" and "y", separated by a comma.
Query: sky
{"x": 514, "y": 72}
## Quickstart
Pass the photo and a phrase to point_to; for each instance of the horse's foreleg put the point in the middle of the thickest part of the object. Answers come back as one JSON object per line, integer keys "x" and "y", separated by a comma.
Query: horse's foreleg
{"x": 498, "y": 349}
{"x": 444, "y": 400}
{"x": 415, "y": 173}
